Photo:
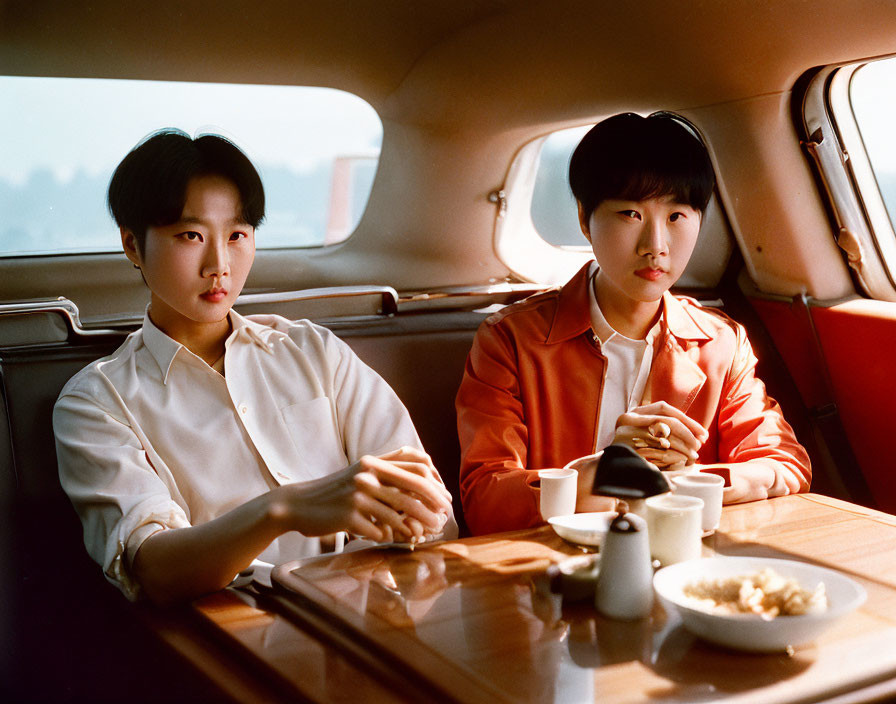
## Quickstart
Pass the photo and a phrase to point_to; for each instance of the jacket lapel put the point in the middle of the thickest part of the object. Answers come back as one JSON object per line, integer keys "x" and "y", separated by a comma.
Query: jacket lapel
{"x": 675, "y": 377}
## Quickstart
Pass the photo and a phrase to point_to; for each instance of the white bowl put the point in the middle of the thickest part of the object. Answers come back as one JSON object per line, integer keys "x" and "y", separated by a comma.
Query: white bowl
{"x": 583, "y": 528}
{"x": 750, "y": 631}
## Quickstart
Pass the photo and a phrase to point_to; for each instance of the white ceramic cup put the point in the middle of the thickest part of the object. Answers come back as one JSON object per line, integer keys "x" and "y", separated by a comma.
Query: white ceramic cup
{"x": 708, "y": 487}
{"x": 675, "y": 527}
{"x": 558, "y": 492}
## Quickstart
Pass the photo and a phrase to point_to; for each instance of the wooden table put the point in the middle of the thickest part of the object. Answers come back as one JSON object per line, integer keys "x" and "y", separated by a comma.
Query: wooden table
{"x": 471, "y": 621}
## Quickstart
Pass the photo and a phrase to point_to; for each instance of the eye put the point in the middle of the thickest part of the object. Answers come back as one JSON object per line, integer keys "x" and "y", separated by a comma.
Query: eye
{"x": 236, "y": 236}
{"x": 191, "y": 236}
{"x": 633, "y": 214}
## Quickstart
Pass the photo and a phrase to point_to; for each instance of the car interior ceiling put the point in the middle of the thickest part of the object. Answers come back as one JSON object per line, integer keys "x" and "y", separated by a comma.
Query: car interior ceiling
{"x": 460, "y": 87}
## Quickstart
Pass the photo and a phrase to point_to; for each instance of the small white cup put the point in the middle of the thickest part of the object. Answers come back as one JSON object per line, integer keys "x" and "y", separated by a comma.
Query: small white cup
{"x": 708, "y": 487}
{"x": 558, "y": 492}
{"x": 674, "y": 524}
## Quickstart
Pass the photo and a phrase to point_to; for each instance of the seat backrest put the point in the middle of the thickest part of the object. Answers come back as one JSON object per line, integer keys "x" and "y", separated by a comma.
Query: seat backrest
{"x": 420, "y": 355}
{"x": 56, "y": 599}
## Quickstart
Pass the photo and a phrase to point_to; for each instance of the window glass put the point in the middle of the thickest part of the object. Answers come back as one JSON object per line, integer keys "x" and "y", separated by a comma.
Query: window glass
{"x": 553, "y": 210}
{"x": 315, "y": 148}
{"x": 872, "y": 93}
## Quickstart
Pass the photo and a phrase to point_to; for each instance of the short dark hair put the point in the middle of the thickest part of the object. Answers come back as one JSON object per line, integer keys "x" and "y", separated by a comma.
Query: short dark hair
{"x": 149, "y": 186}
{"x": 630, "y": 157}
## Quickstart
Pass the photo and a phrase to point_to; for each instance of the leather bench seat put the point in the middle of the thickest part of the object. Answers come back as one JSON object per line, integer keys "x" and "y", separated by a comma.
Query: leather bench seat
{"x": 75, "y": 638}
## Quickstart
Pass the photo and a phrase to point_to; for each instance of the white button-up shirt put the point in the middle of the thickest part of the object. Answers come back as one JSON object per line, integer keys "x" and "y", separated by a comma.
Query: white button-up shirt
{"x": 151, "y": 437}
{"x": 626, "y": 373}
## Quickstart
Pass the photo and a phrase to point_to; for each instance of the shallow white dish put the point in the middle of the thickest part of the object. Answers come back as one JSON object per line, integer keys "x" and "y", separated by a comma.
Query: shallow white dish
{"x": 751, "y": 632}
{"x": 583, "y": 528}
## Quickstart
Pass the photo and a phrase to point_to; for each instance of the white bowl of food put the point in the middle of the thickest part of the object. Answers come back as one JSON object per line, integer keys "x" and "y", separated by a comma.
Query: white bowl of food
{"x": 583, "y": 528}
{"x": 756, "y": 604}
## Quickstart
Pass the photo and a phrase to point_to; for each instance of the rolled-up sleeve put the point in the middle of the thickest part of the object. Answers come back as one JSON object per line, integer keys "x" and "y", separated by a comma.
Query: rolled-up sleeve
{"x": 107, "y": 474}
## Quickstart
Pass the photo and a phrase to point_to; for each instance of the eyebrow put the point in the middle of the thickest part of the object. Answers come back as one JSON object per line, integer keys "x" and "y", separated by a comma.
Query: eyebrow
{"x": 190, "y": 220}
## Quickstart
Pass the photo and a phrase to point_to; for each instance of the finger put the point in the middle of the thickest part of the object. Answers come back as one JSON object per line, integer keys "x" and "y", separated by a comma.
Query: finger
{"x": 427, "y": 473}
{"x": 399, "y": 501}
{"x": 420, "y": 462}
{"x": 416, "y": 528}
{"x": 661, "y": 408}
{"x": 663, "y": 442}
{"x": 660, "y": 430}
{"x": 432, "y": 521}
{"x": 414, "y": 455}
{"x": 663, "y": 458}
{"x": 660, "y": 443}
{"x": 673, "y": 443}
{"x": 388, "y": 534}
{"x": 639, "y": 438}
{"x": 362, "y": 526}
{"x": 678, "y": 429}
{"x": 381, "y": 514}
{"x": 391, "y": 474}
{"x": 408, "y": 452}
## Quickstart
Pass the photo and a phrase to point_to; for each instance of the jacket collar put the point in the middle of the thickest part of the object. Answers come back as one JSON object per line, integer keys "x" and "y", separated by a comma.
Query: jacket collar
{"x": 572, "y": 315}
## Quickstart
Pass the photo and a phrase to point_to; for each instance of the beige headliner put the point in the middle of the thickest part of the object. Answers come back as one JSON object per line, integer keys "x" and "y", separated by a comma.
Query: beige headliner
{"x": 462, "y": 84}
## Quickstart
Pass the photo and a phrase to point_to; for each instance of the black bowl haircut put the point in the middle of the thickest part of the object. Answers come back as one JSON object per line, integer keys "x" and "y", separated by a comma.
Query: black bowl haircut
{"x": 149, "y": 186}
{"x": 629, "y": 157}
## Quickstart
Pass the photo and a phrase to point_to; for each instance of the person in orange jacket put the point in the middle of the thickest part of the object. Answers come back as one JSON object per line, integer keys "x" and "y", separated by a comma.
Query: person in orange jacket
{"x": 612, "y": 356}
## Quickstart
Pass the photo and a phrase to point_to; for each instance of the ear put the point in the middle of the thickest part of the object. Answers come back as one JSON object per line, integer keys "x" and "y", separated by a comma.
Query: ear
{"x": 583, "y": 221}
{"x": 129, "y": 244}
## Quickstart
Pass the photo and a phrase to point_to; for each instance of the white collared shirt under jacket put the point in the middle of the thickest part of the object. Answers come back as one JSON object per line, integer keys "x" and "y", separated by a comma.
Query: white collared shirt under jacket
{"x": 151, "y": 437}
{"x": 627, "y": 368}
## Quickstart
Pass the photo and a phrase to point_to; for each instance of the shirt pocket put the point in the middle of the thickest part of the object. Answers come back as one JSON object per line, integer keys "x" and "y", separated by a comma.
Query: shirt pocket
{"x": 312, "y": 428}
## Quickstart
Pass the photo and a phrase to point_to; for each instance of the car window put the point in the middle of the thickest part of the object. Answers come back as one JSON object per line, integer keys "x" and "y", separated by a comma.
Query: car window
{"x": 316, "y": 150}
{"x": 553, "y": 206}
{"x": 872, "y": 93}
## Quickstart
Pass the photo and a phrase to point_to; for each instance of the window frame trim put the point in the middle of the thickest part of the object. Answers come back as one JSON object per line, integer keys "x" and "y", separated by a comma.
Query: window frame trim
{"x": 833, "y": 143}
{"x": 516, "y": 241}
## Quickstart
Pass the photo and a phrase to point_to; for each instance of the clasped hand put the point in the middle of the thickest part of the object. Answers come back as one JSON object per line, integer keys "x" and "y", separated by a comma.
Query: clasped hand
{"x": 396, "y": 496}
{"x": 661, "y": 434}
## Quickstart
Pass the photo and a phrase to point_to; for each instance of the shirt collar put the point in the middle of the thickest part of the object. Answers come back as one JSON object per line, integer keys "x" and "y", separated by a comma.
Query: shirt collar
{"x": 164, "y": 349}
{"x": 572, "y": 316}
{"x": 247, "y": 330}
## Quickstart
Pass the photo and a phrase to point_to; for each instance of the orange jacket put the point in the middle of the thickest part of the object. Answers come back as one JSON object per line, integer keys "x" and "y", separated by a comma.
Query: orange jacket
{"x": 531, "y": 392}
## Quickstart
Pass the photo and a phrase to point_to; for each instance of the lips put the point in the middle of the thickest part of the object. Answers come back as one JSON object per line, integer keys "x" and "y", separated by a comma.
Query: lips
{"x": 650, "y": 274}
{"x": 215, "y": 295}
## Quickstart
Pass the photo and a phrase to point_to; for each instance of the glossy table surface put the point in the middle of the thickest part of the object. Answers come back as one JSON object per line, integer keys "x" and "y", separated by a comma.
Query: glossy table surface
{"x": 472, "y": 620}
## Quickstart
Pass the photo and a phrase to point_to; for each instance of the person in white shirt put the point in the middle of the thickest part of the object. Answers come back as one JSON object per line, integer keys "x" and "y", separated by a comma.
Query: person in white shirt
{"x": 208, "y": 438}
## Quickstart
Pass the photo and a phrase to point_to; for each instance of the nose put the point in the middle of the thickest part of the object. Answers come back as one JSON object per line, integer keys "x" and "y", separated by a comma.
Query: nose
{"x": 654, "y": 240}
{"x": 216, "y": 263}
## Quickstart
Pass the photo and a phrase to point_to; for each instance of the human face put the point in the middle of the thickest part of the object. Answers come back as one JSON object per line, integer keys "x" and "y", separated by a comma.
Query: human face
{"x": 642, "y": 247}
{"x": 196, "y": 267}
